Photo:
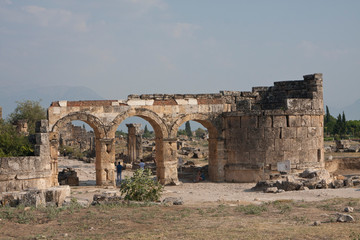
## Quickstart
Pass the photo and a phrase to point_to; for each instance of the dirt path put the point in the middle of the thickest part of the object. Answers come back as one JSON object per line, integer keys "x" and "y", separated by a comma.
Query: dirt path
{"x": 204, "y": 192}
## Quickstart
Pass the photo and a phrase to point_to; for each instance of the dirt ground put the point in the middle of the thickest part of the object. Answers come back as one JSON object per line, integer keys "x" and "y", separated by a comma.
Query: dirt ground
{"x": 204, "y": 192}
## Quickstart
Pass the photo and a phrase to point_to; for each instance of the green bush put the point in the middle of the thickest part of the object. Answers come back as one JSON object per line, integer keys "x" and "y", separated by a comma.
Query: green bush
{"x": 141, "y": 187}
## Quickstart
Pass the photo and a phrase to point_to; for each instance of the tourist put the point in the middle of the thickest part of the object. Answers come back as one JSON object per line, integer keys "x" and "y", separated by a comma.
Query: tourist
{"x": 118, "y": 172}
{"x": 142, "y": 164}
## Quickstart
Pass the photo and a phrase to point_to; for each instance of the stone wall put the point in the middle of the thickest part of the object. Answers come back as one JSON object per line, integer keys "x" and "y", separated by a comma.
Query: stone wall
{"x": 274, "y": 124}
{"x": 21, "y": 173}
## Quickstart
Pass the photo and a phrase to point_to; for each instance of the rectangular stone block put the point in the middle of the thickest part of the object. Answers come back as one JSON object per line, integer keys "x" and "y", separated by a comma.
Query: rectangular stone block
{"x": 315, "y": 121}
{"x": 266, "y": 144}
{"x": 257, "y": 157}
{"x": 279, "y": 121}
{"x": 265, "y": 121}
{"x": 294, "y": 121}
{"x": 272, "y": 157}
{"x": 242, "y": 157}
{"x": 305, "y": 121}
{"x": 283, "y": 144}
{"x": 311, "y": 132}
{"x": 248, "y": 121}
{"x": 301, "y": 132}
{"x": 293, "y": 156}
{"x": 257, "y": 133}
{"x": 288, "y": 132}
{"x": 272, "y": 133}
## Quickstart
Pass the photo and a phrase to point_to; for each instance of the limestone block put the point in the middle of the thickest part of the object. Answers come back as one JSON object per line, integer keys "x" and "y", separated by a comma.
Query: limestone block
{"x": 266, "y": 144}
{"x": 248, "y": 121}
{"x": 273, "y": 157}
{"x": 271, "y": 133}
{"x": 42, "y": 138}
{"x": 293, "y": 156}
{"x": 283, "y": 144}
{"x": 57, "y": 195}
{"x": 301, "y": 132}
{"x": 313, "y": 155}
{"x": 288, "y": 132}
{"x": 256, "y": 133}
{"x": 242, "y": 157}
{"x": 232, "y": 123}
{"x": 265, "y": 121}
{"x": 294, "y": 121}
{"x": 279, "y": 121}
{"x": 305, "y": 121}
{"x": 257, "y": 157}
{"x": 42, "y": 126}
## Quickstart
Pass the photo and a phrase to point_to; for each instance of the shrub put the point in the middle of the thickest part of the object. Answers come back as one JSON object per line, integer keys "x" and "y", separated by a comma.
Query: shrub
{"x": 141, "y": 187}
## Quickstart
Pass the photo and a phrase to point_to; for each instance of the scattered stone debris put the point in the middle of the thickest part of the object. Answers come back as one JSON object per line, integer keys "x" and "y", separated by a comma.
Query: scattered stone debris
{"x": 68, "y": 176}
{"x": 308, "y": 179}
{"x": 345, "y": 218}
{"x": 317, "y": 223}
{"x": 53, "y": 196}
{"x": 173, "y": 201}
{"x": 109, "y": 197}
{"x": 349, "y": 209}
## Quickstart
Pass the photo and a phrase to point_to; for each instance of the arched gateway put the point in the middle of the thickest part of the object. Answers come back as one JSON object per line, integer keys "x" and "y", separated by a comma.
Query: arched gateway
{"x": 249, "y": 132}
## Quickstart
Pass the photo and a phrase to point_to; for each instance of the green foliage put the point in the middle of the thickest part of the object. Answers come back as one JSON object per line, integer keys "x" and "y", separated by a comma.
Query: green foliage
{"x": 141, "y": 187}
{"x": 181, "y": 132}
{"x": 252, "y": 209}
{"x": 29, "y": 110}
{"x": 120, "y": 133}
{"x": 147, "y": 133}
{"x": 188, "y": 129}
{"x": 13, "y": 144}
{"x": 199, "y": 133}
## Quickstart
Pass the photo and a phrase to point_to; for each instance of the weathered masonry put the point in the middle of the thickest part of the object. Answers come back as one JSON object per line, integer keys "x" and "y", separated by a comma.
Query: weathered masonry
{"x": 249, "y": 132}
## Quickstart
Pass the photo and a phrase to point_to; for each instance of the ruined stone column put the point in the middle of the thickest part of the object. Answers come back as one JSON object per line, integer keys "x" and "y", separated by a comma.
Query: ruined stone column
{"x": 166, "y": 164}
{"x": 105, "y": 158}
{"x": 135, "y": 151}
{"x": 217, "y": 159}
{"x": 54, "y": 148}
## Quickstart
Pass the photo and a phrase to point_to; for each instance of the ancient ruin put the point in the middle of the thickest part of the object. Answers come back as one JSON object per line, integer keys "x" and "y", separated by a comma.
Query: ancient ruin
{"x": 249, "y": 132}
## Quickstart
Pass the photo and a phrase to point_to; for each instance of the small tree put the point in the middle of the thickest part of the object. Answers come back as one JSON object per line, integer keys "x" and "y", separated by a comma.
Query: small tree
{"x": 199, "y": 133}
{"x": 140, "y": 187}
{"x": 29, "y": 110}
{"x": 146, "y": 133}
{"x": 188, "y": 129}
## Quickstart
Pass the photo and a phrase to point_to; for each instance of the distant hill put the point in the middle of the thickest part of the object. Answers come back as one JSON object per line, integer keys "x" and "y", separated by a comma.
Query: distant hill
{"x": 352, "y": 112}
{"x": 9, "y": 96}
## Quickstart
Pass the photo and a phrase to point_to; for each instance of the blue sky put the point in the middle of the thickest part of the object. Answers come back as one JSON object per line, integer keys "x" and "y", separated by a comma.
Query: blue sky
{"x": 122, "y": 47}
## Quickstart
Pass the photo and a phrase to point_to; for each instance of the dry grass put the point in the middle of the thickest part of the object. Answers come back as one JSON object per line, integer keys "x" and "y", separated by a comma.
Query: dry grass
{"x": 276, "y": 220}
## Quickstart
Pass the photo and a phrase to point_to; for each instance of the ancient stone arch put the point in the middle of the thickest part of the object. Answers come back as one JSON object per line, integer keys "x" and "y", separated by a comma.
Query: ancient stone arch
{"x": 250, "y": 132}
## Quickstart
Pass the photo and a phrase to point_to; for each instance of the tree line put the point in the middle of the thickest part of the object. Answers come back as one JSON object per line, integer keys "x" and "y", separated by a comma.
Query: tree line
{"x": 339, "y": 127}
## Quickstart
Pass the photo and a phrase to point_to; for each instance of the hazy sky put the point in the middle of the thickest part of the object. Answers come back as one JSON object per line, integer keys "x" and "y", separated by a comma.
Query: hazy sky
{"x": 120, "y": 47}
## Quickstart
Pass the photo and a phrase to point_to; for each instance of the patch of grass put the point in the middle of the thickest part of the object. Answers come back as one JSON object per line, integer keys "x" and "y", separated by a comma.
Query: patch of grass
{"x": 301, "y": 219}
{"x": 252, "y": 209}
{"x": 283, "y": 206}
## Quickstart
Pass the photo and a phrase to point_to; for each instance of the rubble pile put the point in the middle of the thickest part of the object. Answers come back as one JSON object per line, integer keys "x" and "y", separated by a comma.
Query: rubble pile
{"x": 308, "y": 179}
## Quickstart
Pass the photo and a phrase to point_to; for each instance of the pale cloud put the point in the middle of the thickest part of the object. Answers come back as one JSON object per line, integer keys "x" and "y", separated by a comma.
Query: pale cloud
{"x": 144, "y": 6}
{"x": 167, "y": 63}
{"x": 56, "y": 18}
{"x": 310, "y": 49}
{"x": 184, "y": 30}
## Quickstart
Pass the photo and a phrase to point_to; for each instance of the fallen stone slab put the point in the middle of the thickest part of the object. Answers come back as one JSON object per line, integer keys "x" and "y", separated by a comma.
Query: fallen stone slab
{"x": 345, "y": 218}
{"x": 173, "y": 201}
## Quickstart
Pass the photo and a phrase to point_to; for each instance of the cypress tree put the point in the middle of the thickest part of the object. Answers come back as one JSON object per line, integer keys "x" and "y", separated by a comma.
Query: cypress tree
{"x": 188, "y": 129}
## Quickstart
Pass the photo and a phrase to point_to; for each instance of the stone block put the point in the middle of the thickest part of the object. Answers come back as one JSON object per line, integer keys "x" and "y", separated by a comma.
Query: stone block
{"x": 293, "y": 156}
{"x": 279, "y": 121}
{"x": 248, "y": 121}
{"x": 301, "y": 132}
{"x": 42, "y": 126}
{"x": 273, "y": 157}
{"x": 288, "y": 132}
{"x": 305, "y": 121}
{"x": 257, "y": 157}
{"x": 294, "y": 121}
{"x": 283, "y": 144}
{"x": 256, "y": 133}
{"x": 266, "y": 144}
{"x": 272, "y": 133}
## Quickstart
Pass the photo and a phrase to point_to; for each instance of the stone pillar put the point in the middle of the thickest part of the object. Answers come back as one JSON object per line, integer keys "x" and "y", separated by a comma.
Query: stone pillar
{"x": 54, "y": 149}
{"x": 217, "y": 159}
{"x": 105, "y": 159}
{"x": 166, "y": 162}
{"x": 135, "y": 151}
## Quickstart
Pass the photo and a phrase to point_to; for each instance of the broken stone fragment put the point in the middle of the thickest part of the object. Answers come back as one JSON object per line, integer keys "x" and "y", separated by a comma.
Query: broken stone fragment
{"x": 345, "y": 218}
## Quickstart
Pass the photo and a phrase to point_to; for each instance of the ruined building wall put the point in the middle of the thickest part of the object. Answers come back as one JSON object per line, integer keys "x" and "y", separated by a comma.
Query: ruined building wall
{"x": 20, "y": 173}
{"x": 274, "y": 124}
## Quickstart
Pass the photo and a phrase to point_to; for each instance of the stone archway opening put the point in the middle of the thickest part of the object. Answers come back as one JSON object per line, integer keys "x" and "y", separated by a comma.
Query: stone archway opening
{"x": 193, "y": 152}
{"x": 155, "y": 157}
{"x": 206, "y": 148}
{"x": 135, "y": 142}
{"x": 77, "y": 154}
